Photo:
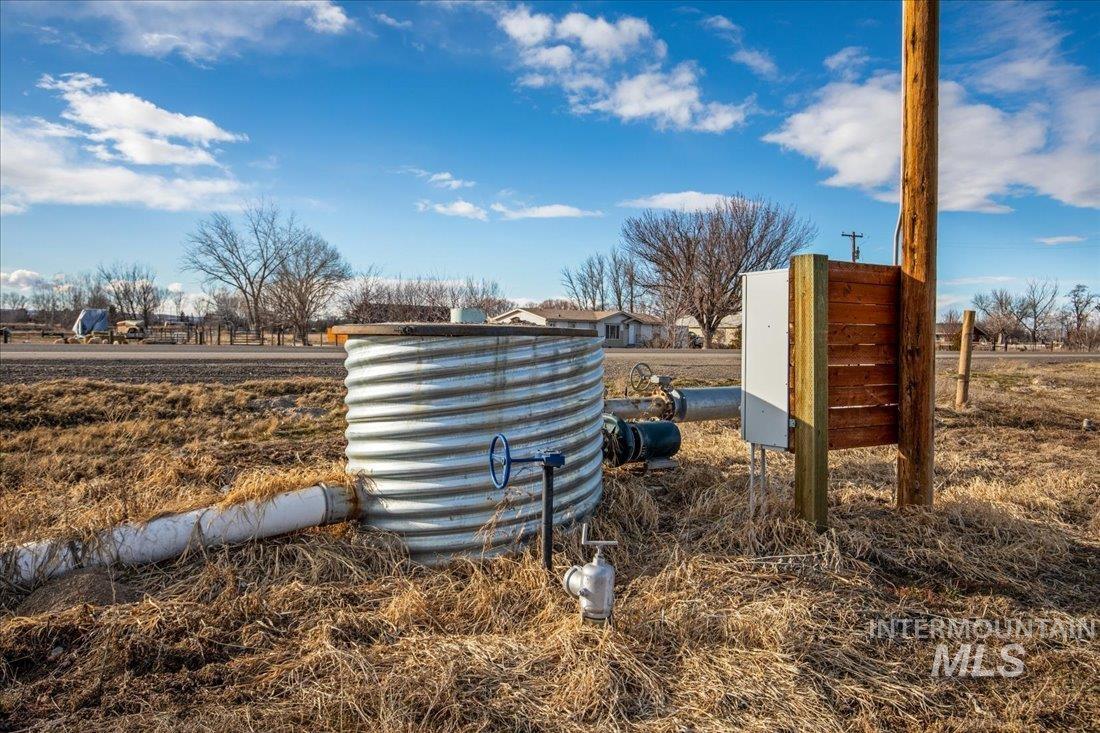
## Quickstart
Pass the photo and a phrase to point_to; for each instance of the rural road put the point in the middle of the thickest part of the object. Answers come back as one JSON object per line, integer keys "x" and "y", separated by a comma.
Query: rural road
{"x": 168, "y": 363}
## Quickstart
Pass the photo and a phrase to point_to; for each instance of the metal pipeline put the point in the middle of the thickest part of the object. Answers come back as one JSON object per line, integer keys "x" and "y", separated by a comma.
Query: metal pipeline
{"x": 694, "y": 404}
{"x": 687, "y": 404}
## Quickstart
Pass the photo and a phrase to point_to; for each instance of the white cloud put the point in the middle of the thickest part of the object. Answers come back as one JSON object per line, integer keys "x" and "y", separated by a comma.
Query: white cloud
{"x": 391, "y": 21}
{"x": 979, "y": 280}
{"x": 848, "y": 62}
{"x": 87, "y": 161}
{"x": 614, "y": 67}
{"x": 547, "y": 211}
{"x": 446, "y": 180}
{"x": 669, "y": 100}
{"x": 1067, "y": 239}
{"x": 760, "y": 62}
{"x": 128, "y": 128}
{"x": 682, "y": 200}
{"x": 458, "y": 207}
{"x": 203, "y": 30}
{"x": 175, "y": 287}
{"x": 600, "y": 38}
{"x": 443, "y": 179}
{"x": 721, "y": 23}
{"x": 524, "y": 27}
{"x": 1043, "y": 138}
{"x": 21, "y": 279}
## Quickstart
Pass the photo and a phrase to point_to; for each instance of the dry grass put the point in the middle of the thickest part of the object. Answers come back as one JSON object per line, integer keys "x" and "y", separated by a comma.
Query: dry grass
{"x": 721, "y": 624}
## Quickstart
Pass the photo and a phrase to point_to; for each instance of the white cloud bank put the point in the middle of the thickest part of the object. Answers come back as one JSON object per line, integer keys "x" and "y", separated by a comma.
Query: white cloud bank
{"x": 458, "y": 207}
{"x": 201, "y": 30}
{"x": 682, "y": 201}
{"x": 547, "y": 211}
{"x": 1066, "y": 239}
{"x": 613, "y": 67}
{"x": 989, "y": 150}
{"x": 98, "y": 153}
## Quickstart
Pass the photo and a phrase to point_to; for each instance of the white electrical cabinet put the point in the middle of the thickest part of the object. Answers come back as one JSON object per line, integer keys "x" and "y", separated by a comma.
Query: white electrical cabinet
{"x": 765, "y": 347}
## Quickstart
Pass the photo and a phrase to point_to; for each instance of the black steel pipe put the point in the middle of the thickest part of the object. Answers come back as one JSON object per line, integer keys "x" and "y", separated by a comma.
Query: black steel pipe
{"x": 548, "y": 517}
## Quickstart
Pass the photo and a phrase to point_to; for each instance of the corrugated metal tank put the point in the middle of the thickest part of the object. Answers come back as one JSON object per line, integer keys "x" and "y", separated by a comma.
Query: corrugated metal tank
{"x": 425, "y": 400}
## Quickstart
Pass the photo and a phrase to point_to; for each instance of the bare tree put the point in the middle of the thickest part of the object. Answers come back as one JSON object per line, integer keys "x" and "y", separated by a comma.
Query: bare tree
{"x": 224, "y": 305}
{"x": 46, "y": 300}
{"x": 587, "y": 284}
{"x": 1033, "y": 308}
{"x": 998, "y": 311}
{"x": 952, "y": 321}
{"x": 13, "y": 300}
{"x": 622, "y": 276}
{"x": 307, "y": 282}
{"x": 486, "y": 295}
{"x": 132, "y": 290}
{"x": 174, "y": 300}
{"x": 360, "y": 296}
{"x": 245, "y": 262}
{"x": 558, "y": 303}
{"x": 1080, "y": 303}
{"x": 697, "y": 257}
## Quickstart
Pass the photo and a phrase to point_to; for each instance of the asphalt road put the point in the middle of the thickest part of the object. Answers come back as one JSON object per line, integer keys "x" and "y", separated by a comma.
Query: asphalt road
{"x": 169, "y": 352}
{"x": 167, "y": 363}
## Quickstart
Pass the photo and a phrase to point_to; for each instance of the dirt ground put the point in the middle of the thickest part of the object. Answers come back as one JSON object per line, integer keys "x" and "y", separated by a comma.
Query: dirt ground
{"x": 723, "y": 621}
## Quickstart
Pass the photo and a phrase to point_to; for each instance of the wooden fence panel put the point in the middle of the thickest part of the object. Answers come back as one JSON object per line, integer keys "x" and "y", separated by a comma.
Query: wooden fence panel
{"x": 862, "y": 361}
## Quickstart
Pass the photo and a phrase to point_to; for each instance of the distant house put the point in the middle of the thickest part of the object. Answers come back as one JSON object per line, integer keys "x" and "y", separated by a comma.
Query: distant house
{"x": 617, "y": 327}
{"x": 947, "y": 335}
{"x": 728, "y": 333}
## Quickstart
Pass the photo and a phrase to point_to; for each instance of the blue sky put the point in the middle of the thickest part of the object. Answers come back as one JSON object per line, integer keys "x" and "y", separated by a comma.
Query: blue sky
{"x": 507, "y": 140}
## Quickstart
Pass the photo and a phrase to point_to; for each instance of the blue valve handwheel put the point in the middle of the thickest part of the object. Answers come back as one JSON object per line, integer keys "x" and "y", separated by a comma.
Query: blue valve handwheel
{"x": 501, "y": 482}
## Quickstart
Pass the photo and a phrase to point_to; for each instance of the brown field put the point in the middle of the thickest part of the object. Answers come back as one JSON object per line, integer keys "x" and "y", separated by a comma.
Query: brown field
{"x": 721, "y": 624}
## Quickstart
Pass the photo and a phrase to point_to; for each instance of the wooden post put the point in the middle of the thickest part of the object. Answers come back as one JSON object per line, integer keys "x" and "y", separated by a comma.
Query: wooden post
{"x": 917, "y": 338}
{"x": 966, "y": 343}
{"x": 810, "y": 408}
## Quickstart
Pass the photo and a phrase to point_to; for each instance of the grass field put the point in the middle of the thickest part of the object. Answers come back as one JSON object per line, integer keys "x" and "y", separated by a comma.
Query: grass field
{"x": 721, "y": 623}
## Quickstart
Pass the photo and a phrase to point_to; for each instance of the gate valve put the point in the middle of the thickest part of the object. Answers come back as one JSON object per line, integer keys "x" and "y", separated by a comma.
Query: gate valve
{"x": 549, "y": 460}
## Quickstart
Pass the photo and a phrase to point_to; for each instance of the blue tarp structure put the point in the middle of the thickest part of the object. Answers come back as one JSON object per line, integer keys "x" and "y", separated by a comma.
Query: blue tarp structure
{"x": 91, "y": 319}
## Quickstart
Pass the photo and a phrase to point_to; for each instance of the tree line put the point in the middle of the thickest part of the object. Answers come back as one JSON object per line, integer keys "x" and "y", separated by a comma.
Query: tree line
{"x": 674, "y": 264}
{"x": 266, "y": 269}
{"x": 1039, "y": 313}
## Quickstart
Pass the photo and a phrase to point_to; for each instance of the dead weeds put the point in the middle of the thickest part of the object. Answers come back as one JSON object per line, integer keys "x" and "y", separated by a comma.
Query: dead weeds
{"x": 721, "y": 624}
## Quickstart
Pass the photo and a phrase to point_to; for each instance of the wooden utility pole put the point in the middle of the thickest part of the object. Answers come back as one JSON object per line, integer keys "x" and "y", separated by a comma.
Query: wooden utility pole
{"x": 919, "y": 165}
{"x": 966, "y": 341}
{"x": 855, "y": 247}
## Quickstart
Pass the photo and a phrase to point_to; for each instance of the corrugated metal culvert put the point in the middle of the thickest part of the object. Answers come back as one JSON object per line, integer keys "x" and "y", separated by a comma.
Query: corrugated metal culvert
{"x": 424, "y": 401}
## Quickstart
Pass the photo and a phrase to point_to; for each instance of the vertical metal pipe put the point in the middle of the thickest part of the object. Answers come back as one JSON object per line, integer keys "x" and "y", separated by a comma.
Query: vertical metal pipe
{"x": 548, "y": 517}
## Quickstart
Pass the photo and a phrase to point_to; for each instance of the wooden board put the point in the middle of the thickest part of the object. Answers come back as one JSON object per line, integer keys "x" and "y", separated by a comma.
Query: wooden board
{"x": 861, "y": 376}
{"x": 850, "y": 335}
{"x": 842, "y": 292}
{"x": 863, "y": 437}
{"x": 882, "y": 394}
{"x": 857, "y": 417}
{"x": 859, "y": 272}
{"x": 872, "y": 314}
{"x": 840, "y": 354}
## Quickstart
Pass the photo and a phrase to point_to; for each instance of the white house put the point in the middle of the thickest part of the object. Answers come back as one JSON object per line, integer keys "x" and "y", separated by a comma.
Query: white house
{"x": 618, "y": 328}
{"x": 728, "y": 333}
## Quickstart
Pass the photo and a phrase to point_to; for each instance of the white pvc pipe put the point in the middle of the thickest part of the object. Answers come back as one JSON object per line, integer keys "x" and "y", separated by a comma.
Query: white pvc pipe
{"x": 171, "y": 535}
